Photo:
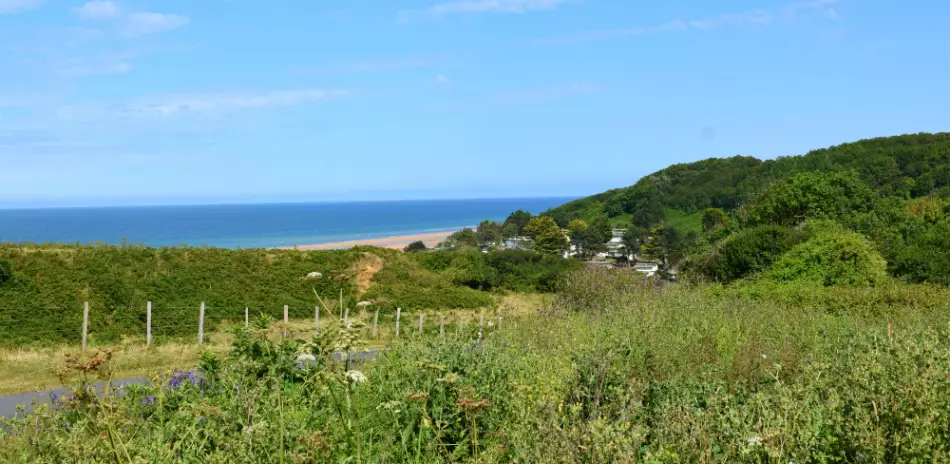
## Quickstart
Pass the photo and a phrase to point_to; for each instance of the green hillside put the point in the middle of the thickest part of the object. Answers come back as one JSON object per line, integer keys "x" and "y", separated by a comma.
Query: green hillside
{"x": 904, "y": 166}
{"x": 884, "y": 202}
{"x": 43, "y": 287}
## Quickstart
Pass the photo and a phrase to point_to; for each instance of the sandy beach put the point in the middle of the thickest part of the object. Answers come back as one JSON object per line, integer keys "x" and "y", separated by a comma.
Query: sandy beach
{"x": 399, "y": 243}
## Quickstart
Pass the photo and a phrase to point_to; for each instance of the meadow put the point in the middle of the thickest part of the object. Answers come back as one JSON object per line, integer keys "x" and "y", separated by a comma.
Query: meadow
{"x": 613, "y": 368}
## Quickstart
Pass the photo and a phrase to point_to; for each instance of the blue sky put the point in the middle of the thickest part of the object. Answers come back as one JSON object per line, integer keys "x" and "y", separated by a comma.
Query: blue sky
{"x": 176, "y": 101}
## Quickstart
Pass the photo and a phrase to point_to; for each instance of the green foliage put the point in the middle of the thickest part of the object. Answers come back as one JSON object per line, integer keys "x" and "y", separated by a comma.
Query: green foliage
{"x": 546, "y": 236}
{"x": 913, "y": 164}
{"x": 516, "y": 270}
{"x": 488, "y": 232}
{"x": 810, "y": 195}
{"x": 712, "y": 219}
{"x": 515, "y": 223}
{"x": 461, "y": 239}
{"x": 416, "y": 246}
{"x": 668, "y": 245}
{"x": 6, "y": 272}
{"x": 749, "y": 251}
{"x": 661, "y": 373}
{"x": 832, "y": 256}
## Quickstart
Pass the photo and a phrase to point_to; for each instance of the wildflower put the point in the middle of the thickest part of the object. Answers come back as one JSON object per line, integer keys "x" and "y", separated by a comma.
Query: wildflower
{"x": 390, "y": 406}
{"x": 451, "y": 377}
{"x": 418, "y": 396}
{"x": 754, "y": 440}
{"x": 764, "y": 356}
{"x": 356, "y": 376}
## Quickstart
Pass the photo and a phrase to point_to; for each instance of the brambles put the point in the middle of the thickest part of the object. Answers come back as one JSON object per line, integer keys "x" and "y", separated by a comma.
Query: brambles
{"x": 652, "y": 375}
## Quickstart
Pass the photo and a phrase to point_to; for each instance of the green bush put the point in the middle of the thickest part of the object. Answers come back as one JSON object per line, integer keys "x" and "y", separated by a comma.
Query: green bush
{"x": 750, "y": 251}
{"x": 810, "y": 195}
{"x": 6, "y": 272}
{"x": 833, "y": 256}
{"x": 660, "y": 375}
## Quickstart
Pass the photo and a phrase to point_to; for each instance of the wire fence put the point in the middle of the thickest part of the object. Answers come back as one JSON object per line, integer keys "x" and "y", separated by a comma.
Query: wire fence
{"x": 89, "y": 325}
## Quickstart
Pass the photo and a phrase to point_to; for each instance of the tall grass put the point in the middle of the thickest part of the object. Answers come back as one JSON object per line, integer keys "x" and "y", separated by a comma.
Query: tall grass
{"x": 646, "y": 374}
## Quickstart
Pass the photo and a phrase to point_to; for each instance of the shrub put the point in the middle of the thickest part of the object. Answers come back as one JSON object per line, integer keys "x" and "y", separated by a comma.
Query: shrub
{"x": 6, "y": 272}
{"x": 810, "y": 195}
{"x": 418, "y": 245}
{"x": 749, "y": 251}
{"x": 833, "y": 256}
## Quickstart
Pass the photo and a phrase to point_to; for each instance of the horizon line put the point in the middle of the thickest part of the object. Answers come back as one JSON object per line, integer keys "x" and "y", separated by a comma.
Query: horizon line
{"x": 278, "y": 203}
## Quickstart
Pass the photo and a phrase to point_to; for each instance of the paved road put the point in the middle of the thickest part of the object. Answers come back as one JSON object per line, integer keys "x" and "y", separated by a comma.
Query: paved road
{"x": 9, "y": 403}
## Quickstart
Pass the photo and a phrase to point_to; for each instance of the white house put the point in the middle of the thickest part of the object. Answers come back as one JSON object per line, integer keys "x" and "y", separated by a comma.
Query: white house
{"x": 615, "y": 246}
{"x": 647, "y": 267}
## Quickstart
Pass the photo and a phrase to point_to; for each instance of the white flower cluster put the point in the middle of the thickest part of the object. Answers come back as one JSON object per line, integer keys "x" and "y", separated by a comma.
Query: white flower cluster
{"x": 356, "y": 376}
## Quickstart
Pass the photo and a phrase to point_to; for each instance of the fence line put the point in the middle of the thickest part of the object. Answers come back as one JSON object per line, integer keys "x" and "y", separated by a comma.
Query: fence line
{"x": 120, "y": 322}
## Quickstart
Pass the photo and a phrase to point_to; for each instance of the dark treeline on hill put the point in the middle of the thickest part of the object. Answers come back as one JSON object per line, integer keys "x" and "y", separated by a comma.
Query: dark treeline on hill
{"x": 724, "y": 219}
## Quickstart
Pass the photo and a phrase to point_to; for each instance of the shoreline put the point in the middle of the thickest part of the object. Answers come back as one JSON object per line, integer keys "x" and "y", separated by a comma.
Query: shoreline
{"x": 395, "y": 242}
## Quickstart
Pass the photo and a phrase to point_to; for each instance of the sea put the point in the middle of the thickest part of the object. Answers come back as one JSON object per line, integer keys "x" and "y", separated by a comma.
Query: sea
{"x": 256, "y": 225}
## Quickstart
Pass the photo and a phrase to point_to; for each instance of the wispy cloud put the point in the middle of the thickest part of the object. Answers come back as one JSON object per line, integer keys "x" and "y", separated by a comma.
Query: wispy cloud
{"x": 745, "y": 18}
{"x": 173, "y": 105}
{"x": 97, "y": 10}
{"x": 142, "y": 23}
{"x": 133, "y": 23}
{"x": 14, "y": 6}
{"x": 484, "y": 6}
{"x": 382, "y": 65}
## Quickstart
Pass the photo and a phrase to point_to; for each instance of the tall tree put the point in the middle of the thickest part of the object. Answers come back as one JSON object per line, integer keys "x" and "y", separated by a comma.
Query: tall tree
{"x": 546, "y": 236}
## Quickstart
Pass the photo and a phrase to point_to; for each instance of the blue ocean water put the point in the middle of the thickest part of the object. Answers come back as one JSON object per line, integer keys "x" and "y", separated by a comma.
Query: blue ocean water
{"x": 256, "y": 225}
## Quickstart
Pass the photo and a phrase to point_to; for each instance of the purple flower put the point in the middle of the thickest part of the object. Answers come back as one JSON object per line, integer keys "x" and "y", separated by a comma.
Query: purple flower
{"x": 148, "y": 400}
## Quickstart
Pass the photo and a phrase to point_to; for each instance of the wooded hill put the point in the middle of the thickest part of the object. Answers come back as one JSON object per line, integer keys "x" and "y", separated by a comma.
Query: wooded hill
{"x": 891, "y": 192}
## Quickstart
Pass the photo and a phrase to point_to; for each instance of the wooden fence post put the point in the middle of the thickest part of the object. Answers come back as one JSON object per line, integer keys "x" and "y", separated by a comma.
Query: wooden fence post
{"x": 148, "y": 324}
{"x": 375, "y": 324}
{"x": 441, "y": 326}
{"x": 286, "y": 315}
{"x": 346, "y": 317}
{"x": 316, "y": 319}
{"x": 398, "y": 313}
{"x": 247, "y": 319}
{"x": 481, "y": 323}
{"x": 498, "y": 327}
{"x": 421, "y": 316}
{"x": 85, "y": 324}
{"x": 201, "y": 323}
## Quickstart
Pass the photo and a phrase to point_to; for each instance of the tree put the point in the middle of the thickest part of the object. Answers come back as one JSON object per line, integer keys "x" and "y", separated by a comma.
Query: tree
{"x": 811, "y": 195}
{"x": 749, "y": 251}
{"x": 488, "y": 232}
{"x": 634, "y": 238}
{"x": 546, "y": 235}
{"x": 510, "y": 230}
{"x": 668, "y": 245}
{"x": 713, "y": 218}
{"x": 463, "y": 238}
{"x": 517, "y": 220}
{"x": 580, "y": 235}
{"x": 413, "y": 247}
{"x": 6, "y": 272}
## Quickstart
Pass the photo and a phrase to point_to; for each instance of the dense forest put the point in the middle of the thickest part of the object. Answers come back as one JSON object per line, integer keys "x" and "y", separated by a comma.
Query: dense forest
{"x": 724, "y": 219}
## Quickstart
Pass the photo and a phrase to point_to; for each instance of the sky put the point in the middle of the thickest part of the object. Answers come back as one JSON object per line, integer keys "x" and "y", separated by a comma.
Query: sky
{"x": 173, "y": 101}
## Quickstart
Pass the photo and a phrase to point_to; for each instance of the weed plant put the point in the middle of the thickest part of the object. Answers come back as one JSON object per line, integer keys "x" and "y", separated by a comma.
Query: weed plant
{"x": 653, "y": 374}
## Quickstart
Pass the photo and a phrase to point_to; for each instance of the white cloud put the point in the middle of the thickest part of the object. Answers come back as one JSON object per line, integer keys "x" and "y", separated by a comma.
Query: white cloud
{"x": 201, "y": 103}
{"x": 751, "y": 17}
{"x": 484, "y": 6}
{"x": 494, "y": 6}
{"x": 143, "y": 23}
{"x": 98, "y": 10}
{"x": 13, "y": 6}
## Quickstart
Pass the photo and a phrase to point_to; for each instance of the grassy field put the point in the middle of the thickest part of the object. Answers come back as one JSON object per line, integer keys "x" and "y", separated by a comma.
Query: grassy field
{"x": 615, "y": 369}
{"x": 35, "y": 368}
